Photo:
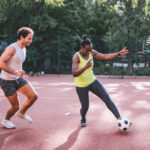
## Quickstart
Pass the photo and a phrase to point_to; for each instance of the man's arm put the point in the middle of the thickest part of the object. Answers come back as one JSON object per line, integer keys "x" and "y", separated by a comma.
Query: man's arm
{"x": 109, "y": 56}
{"x": 5, "y": 57}
{"x": 75, "y": 71}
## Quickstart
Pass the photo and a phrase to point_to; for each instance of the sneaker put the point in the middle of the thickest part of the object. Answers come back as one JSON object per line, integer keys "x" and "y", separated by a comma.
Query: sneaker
{"x": 25, "y": 116}
{"x": 8, "y": 124}
{"x": 83, "y": 123}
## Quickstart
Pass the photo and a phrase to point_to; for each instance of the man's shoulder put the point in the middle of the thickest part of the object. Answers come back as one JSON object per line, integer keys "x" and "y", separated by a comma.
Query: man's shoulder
{"x": 10, "y": 49}
{"x": 13, "y": 44}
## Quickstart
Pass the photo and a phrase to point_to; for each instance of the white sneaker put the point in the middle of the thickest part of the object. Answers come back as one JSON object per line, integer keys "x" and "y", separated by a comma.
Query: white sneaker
{"x": 25, "y": 116}
{"x": 8, "y": 124}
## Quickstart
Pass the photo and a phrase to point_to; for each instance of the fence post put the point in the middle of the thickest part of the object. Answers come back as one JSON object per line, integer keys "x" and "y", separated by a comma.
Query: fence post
{"x": 58, "y": 56}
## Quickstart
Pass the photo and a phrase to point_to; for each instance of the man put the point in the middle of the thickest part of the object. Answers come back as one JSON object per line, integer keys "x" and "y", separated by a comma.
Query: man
{"x": 13, "y": 78}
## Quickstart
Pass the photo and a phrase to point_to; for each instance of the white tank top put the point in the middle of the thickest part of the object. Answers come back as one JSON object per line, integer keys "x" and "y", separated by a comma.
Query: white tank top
{"x": 15, "y": 62}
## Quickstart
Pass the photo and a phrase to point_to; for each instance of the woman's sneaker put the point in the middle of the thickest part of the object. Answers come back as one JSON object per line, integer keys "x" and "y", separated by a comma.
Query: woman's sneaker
{"x": 8, "y": 124}
{"x": 83, "y": 123}
{"x": 25, "y": 116}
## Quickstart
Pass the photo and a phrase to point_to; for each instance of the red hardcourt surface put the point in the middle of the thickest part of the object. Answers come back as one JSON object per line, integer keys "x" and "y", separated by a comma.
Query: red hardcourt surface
{"x": 56, "y": 117}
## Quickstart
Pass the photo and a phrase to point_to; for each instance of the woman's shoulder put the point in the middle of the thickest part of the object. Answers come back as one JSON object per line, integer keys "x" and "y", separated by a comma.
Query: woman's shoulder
{"x": 76, "y": 56}
{"x": 93, "y": 52}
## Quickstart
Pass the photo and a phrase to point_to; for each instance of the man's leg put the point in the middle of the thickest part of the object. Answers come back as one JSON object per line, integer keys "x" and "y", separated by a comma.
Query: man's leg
{"x": 14, "y": 106}
{"x": 31, "y": 95}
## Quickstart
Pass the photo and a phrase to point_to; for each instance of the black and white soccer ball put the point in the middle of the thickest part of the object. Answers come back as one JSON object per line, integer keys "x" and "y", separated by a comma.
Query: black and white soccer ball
{"x": 123, "y": 124}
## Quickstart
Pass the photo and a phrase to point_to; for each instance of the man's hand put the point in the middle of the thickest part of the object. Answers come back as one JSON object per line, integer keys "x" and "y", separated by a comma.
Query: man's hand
{"x": 26, "y": 77}
{"x": 124, "y": 51}
{"x": 20, "y": 73}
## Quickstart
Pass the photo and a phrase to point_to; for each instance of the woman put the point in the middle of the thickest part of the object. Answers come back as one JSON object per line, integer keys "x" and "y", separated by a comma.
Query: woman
{"x": 86, "y": 81}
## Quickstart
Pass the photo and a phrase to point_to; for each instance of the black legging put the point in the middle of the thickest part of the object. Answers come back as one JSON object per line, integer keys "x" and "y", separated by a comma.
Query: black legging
{"x": 97, "y": 88}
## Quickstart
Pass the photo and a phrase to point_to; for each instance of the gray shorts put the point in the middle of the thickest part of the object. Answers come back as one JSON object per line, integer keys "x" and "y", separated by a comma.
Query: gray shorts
{"x": 10, "y": 87}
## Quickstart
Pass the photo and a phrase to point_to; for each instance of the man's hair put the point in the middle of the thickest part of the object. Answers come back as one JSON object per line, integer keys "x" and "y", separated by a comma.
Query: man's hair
{"x": 24, "y": 31}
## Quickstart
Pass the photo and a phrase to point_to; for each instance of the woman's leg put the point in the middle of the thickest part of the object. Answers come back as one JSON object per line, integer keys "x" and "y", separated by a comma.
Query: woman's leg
{"x": 97, "y": 88}
{"x": 84, "y": 100}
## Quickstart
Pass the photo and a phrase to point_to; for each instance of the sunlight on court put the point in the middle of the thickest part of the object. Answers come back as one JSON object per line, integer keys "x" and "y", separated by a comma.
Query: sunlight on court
{"x": 112, "y": 87}
{"x": 67, "y": 89}
{"x": 147, "y": 93}
{"x": 106, "y": 117}
{"x": 56, "y": 139}
{"x": 143, "y": 121}
{"x": 60, "y": 83}
{"x": 141, "y": 104}
{"x": 141, "y": 85}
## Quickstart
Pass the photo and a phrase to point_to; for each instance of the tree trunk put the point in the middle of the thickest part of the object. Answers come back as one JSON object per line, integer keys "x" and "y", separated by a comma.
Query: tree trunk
{"x": 130, "y": 65}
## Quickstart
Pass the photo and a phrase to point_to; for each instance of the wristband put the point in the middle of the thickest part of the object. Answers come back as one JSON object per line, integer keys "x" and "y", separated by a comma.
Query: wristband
{"x": 119, "y": 54}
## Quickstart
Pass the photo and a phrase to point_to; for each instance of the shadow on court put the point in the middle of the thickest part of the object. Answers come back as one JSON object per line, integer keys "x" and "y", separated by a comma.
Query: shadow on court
{"x": 70, "y": 141}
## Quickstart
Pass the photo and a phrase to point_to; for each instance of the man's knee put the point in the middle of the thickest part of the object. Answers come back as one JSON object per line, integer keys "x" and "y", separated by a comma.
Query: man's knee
{"x": 33, "y": 97}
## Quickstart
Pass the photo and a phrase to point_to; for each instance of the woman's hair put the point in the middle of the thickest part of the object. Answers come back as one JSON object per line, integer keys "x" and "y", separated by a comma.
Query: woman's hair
{"x": 24, "y": 31}
{"x": 85, "y": 41}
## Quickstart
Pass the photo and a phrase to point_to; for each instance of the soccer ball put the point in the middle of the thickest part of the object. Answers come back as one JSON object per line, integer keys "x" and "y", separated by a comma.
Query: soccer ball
{"x": 123, "y": 124}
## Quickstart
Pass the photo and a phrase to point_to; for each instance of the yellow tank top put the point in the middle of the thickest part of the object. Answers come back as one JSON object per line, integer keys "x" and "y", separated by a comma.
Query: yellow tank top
{"x": 87, "y": 77}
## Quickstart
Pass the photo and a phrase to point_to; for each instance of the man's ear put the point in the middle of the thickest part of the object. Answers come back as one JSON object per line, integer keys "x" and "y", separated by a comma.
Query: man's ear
{"x": 21, "y": 37}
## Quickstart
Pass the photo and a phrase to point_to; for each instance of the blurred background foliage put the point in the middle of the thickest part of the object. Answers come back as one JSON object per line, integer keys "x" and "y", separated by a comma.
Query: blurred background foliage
{"x": 60, "y": 24}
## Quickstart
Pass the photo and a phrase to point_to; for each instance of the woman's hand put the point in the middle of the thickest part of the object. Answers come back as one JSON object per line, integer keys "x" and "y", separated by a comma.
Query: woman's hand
{"x": 89, "y": 64}
{"x": 124, "y": 51}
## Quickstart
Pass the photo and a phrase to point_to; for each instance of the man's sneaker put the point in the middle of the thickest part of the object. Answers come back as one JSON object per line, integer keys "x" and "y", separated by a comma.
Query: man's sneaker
{"x": 25, "y": 116}
{"x": 83, "y": 123}
{"x": 8, "y": 124}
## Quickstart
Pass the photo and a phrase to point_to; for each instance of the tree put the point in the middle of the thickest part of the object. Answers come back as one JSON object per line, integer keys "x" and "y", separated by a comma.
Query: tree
{"x": 69, "y": 20}
{"x": 129, "y": 28}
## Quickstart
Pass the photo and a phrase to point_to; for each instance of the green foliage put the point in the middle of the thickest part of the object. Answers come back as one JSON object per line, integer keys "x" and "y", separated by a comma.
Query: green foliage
{"x": 129, "y": 28}
{"x": 142, "y": 71}
{"x": 69, "y": 20}
{"x": 103, "y": 68}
